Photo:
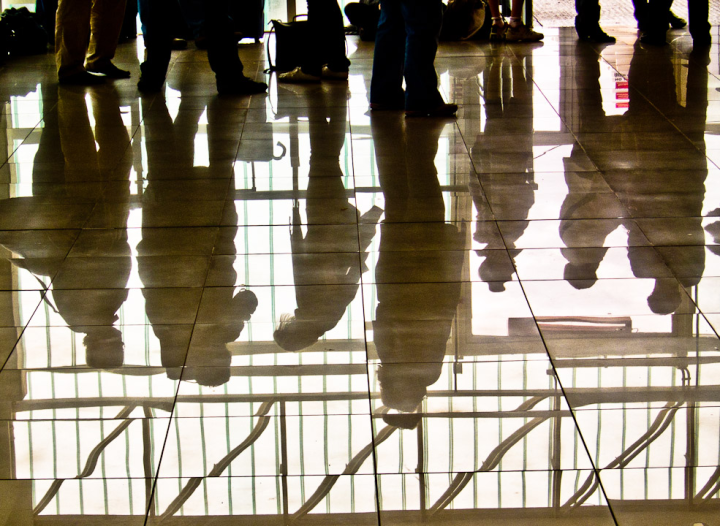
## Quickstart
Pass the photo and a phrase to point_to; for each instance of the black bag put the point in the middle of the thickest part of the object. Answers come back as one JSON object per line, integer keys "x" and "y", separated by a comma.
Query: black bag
{"x": 291, "y": 44}
{"x": 22, "y": 32}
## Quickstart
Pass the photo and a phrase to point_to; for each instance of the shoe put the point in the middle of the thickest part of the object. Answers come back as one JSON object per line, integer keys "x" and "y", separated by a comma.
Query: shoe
{"x": 329, "y": 74}
{"x": 497, "y": 32}
{"x": 382, "y": 106}
{"x": 242, "y": 86}
{"x": 592, "y": 33}
{"x": 443, "y": 110}
{"x": 298, "y": 76}
{"x": 150, "y": 85}
{"x": 82, "y": 79}
{"x": 110, "y": 70}
{"x": 178, "y": 44}
{"x": 522, "y": 33}
{"x": 676, "y": 22}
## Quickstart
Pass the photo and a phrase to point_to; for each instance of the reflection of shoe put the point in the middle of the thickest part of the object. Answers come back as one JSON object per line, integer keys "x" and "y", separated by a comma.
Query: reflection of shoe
{"x": 298, "y": 76}
{"x": 110, "y": 70}
{"x": 443, "y": 110}
{"x": 654, "y": 39}
{"x": 675, "y": 21}
{"x": 329, "y": 74}
{"x": 241, "y": 86}
{"x": 82, "y": 79}
{"x": 382, "y": 106}
{"x": 522, "y": 33}
{"x": 497, "y": 32}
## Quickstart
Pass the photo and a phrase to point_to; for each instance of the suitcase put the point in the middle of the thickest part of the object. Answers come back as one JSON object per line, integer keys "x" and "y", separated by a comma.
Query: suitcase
{"x": 249, "y": 17}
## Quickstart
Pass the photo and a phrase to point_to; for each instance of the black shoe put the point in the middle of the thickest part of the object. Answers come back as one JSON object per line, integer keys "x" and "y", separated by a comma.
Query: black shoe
{"x": 241, "y": 86}
{"x": 675, "y": 21}
{"x": 150, "y": 85}
{"x": 82, "y": 79}
{"x": 592, "y": 33}
{"x": 702, "y": 40}
{"x": 110, "y": 70}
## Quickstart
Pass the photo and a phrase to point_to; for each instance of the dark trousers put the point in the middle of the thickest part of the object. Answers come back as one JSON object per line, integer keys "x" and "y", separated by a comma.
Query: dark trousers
{"x": 588, "y": 12}
{"x": 327, "y": 37}
{"x": 405, "y": 46}
{"x": 222, "y": 45}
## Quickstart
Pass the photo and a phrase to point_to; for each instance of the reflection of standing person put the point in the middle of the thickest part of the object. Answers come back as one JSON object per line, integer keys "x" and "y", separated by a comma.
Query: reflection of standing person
{"x": 405, "y": 46}
{"x": 325, "y": 283}
{"x": 159, "y": 208}
{"x": 655, "y": 81}
{"x": 221, "y": 46}
{"x": 325, "y": 54}
{"x": 508, "y": 95}
{"x": 83, "y": 23}
{"x": 89, "y": 155}
{"x": 585, "y": 107}
{"x": 413, "y": 320}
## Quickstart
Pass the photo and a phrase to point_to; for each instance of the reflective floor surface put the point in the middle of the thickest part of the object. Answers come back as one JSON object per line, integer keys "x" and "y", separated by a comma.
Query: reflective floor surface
{"x": 285, "y": 310}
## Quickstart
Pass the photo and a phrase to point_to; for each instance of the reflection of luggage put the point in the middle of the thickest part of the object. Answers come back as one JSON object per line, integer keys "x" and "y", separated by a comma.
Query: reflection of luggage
{"x": 249, "y": 17}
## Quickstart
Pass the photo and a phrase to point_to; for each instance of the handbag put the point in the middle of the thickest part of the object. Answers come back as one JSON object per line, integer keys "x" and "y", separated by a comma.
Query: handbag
{"x": 291, "y": 43}
{"x": 462, "y": 19}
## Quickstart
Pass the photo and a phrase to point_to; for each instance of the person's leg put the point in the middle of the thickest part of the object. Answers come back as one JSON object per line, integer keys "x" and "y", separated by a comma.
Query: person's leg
{"x": 498, "y": 27}
{"x": 656, "y": 22}
{"x": 72, "y": 33}
{"x": 223, "y": 53}
{"x": 698, "y": 11}
{"x": 328, "y": 33}
{"x": 423, "y": 19}
{"x": 587, "y": 22}
{"x": 157, "y": 37}
{"x": 517, "y": 31}
{"x": 386, "y": 90}
{"x": 106, "y": 21}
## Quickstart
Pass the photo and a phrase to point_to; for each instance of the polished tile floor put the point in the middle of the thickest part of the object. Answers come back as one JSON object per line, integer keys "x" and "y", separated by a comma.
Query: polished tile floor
{"x": 284, "y": 310}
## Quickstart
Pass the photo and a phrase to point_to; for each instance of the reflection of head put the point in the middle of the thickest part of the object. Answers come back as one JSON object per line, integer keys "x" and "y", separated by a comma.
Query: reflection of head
{"x": 294, "y": 335}
{"x": 213, "y": 365}
{"x": 496, "y": 269}
{"x": 665, "y": 297}
{"x": 403, "y": 386}
{"x": 104, "y": 347}
{"x": 580, "y": 276}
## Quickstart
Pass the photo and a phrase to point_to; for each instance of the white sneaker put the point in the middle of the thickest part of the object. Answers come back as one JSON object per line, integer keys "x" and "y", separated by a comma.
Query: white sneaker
{"x": 329, "y": 74}
{"x": 297, "y": 76}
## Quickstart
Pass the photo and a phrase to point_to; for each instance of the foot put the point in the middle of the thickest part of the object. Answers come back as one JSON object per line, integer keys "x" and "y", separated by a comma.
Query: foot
{"x": 298, "y": 76}
{"x": 522, "y": 33}
{"x": 150, "y": 85}
{"x": 242, "y": 86}
{"x": 443, "y": 110}
{"x": 329, "y": 74}
{"x": 110, "y": 70}
{"x": 592, "y": 32}
{"x": 82, "y": 79}
{"x": 676, "y": 22}
{"x": 497, "y": 32}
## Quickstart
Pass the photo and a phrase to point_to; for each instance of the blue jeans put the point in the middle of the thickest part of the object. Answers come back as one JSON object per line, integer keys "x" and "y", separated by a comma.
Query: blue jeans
{"x": 405, "y": 46}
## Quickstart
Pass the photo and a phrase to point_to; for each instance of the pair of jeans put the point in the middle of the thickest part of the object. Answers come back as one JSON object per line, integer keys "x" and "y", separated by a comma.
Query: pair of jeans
{"x": 327, "y": 38}
{"x": 86, "y": 27}
{"x": 405, "y": 46}
{"x": 222, "y": 46}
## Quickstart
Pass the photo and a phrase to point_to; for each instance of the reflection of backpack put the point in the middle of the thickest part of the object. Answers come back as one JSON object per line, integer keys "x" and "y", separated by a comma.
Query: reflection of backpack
{"x": 462, "y": 19}
{"x": 21, "y": 33}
